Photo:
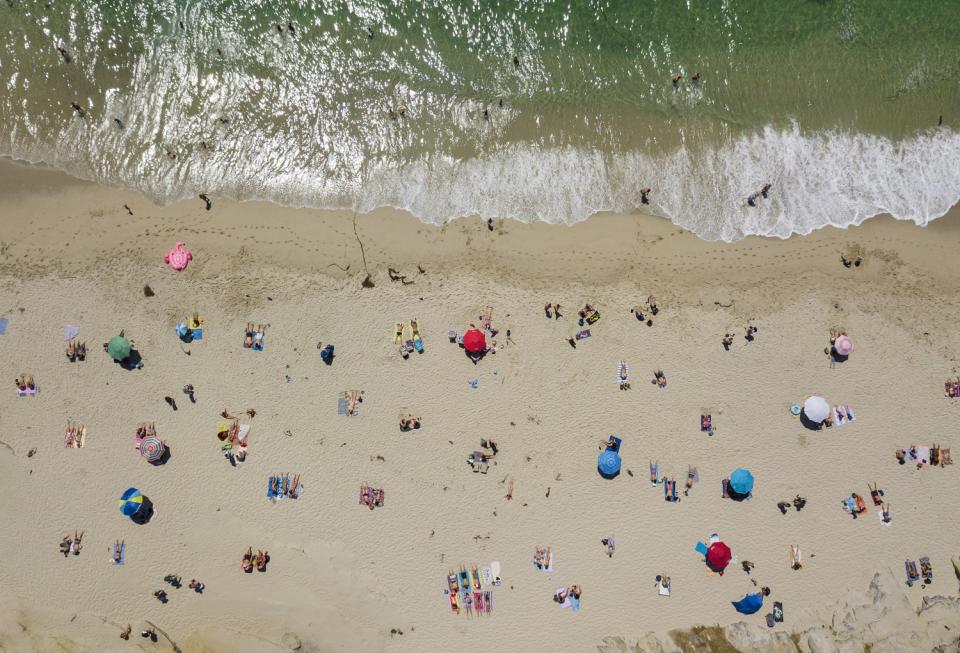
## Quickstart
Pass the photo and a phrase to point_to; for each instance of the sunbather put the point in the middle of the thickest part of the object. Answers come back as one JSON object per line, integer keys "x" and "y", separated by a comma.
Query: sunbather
{"x": 659, "y": 379}
{"x": 246, "y": 563}
{"x": 71, "y": 350}
{"x": 118, "y": 551}
{"x": 248, "y": 335}
{"x": 76, "y": 542}
{"x": 706, "y": 423}
{"x": 294, "y": 487}
{"x": 796, "y": 560}
{"x": 261, "y": 560}
{"x": 885, "y": 514}
{"x": 611, "y": 547}
{"x": 65, "y": 545}
{"x": 575, "y": 591}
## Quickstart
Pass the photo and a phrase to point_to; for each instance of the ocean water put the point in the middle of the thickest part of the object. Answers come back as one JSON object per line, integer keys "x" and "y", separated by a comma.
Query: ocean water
{"x": 532, "y": 110}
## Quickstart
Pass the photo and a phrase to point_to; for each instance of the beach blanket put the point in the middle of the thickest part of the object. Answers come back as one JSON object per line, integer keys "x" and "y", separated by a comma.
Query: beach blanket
{"x": 3, "y": 325}
{"x": 623, "y": 372}
{"x": 343, "y": 403}
{"x": 70, "y": 332}
{"x": 26, "y": 392}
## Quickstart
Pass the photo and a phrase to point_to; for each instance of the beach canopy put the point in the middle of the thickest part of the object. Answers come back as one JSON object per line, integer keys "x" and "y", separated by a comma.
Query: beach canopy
{"x": 130, "y": 501}
{"x": 152, "y": 449}
{"x": 118, "y": 348}
{"x": 718, "y": 556}
{"x": 816, "y": 409}
{"x": 741, "y": 481}
{"x": 749, "y": 604}
{"x": 474, "y": 341}
{"x": 843, "y": 345}
{"x": 609, "y": 463}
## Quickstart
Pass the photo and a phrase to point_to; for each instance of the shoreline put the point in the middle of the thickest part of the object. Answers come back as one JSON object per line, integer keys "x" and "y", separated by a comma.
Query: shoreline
{"x": 340, "y": 578}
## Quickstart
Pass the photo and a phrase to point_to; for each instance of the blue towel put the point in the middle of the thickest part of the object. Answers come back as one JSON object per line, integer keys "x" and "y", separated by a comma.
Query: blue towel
{"x": 701, "y": 548}
{"x": 270, "y": 493}
{"x": 198, "y": 334}
{"x": 574, "y": 603}
{"x": 3, "y": 325}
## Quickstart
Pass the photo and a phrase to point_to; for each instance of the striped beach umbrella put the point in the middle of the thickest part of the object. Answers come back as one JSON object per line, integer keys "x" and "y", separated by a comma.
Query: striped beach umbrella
{"x": 130, "y": 501}
{"x": 152, "y": 449}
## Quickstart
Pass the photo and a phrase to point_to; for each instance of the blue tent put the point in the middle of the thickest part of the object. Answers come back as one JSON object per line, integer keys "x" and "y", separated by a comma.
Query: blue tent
{"x": 609, "y": 463}
{"x": 749, "y": 604}
{"x": 741, "y": 481}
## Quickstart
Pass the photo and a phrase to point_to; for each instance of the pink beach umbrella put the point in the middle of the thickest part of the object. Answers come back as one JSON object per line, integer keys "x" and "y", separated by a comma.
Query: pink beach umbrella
{"x": 178, "y": 257}
{"x": 843, "y": 345}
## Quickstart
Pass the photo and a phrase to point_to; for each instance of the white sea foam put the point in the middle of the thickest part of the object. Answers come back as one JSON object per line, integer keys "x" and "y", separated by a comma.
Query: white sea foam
{"x": 835, "y": 178}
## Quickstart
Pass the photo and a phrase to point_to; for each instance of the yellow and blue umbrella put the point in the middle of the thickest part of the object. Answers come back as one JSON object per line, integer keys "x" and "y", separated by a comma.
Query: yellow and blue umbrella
{"x": 130, "y": 501}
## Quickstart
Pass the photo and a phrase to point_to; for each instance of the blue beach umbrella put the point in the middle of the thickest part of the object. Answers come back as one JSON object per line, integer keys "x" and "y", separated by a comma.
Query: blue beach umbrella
{"x": 130, "y": 501}
{"x": 609, "y": 464}
{"x": 741, "y": 481}
{"x": 749, "y": 604}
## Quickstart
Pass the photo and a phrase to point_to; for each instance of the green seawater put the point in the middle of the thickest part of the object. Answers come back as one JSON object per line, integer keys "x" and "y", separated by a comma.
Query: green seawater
{"x": 530, "y": 110}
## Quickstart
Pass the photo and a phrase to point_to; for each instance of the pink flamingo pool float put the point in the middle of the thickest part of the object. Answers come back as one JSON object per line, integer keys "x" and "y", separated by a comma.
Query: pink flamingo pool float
{"x": 178, "y": 257}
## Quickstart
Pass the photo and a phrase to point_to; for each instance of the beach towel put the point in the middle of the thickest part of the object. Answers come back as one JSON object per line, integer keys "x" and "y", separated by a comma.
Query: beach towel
{"x": 623, "y": 373}
{"x": 566, "y": 602}
{"x": 70, "y": 332}
{"x": 654, "y": 473}
{"x": 945, "y": 458}
{"x": 3, "y": 325}
{"x": 850, "y": 416}
{"x": 923, "y": 455}
{"x": 839, "y": 418}
{"x": 495, "y": 570}
{"x": 574, "y": 603}
{"x": 701, "y": 548}
{"x": 583, "y": 334}
{"x": 486, "y": 576}
{"x": 885, "y": 517}
{"x": 548, "y": 568}
{"x": 488, "y": 600}
{"x": 670, "y": 490}
{"x": 343, "y": 403}
{"x": 593, "y": 317}
{"x": 123, "y": 554}
{"x": 257, "y": 341}
{"x": 279, "y": 494}
{"x": 663, "y": 590}
{"x": 26, "y": 392}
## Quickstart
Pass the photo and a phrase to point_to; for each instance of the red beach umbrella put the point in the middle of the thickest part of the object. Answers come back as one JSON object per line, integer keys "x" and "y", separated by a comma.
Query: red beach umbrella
{"x": 718, "y": 556}
{"x": 474, "y": 341}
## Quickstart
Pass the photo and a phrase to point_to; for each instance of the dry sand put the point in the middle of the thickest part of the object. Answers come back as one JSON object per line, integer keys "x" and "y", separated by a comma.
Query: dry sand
{"x": 342, "y": 577}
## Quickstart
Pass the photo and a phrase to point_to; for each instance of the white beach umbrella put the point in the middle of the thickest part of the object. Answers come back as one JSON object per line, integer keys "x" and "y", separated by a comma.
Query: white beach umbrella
{"x": 816, "y": 409}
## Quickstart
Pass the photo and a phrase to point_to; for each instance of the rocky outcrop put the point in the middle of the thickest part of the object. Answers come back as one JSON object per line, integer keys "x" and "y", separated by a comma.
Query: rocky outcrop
{"x": 880, "y": 621}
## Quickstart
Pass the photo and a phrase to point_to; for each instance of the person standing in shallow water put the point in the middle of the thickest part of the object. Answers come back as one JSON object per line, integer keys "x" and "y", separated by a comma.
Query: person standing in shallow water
{"x": 644, "y": 192}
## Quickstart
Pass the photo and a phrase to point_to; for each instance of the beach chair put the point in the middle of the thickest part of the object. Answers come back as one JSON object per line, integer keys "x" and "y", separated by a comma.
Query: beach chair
{"x": 926, "y": 569}
{"x": 912, "y": 574}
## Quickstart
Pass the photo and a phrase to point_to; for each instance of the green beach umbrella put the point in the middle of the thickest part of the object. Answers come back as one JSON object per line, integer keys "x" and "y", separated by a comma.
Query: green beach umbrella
{"x": 118, "y": 348}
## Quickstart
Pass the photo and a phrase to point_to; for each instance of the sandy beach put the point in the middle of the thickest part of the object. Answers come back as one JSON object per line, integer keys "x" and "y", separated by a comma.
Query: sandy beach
{"x": 345, "y": 578}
